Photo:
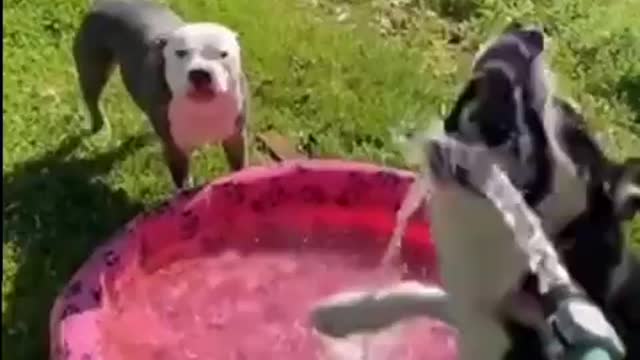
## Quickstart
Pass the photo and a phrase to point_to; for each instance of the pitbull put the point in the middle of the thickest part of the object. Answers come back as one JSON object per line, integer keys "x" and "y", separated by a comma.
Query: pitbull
{"x": 186, "y": 77}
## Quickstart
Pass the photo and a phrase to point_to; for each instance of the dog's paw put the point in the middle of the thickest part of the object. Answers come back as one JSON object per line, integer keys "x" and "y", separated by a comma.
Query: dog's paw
{"x": 102, "y": 137}
{"x": 187, "y": 186}
{"x": 97, "y": 138}
{"x": 100, "y": 129}
{"x": 188, "y": 183}
{"x": 95, "y": 129}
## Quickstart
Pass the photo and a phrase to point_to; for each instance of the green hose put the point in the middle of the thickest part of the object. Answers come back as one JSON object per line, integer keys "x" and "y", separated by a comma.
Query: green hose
{"x": 589, "y": 353}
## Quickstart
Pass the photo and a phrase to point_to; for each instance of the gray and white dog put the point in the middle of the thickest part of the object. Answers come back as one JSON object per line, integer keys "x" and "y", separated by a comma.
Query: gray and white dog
{"x": 186, "y": 77}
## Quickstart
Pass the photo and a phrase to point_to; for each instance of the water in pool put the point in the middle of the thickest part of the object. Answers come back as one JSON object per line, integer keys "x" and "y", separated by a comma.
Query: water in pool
{"x": 256, "y": 306}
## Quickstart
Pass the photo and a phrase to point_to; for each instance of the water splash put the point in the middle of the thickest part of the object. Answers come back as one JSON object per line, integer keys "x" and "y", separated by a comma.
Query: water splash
{"x": 449, "y": 156}
{"x": 417, "y": 195}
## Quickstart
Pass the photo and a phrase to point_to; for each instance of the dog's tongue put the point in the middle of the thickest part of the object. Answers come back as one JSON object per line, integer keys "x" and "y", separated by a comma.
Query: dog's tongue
{"x": 202, "y": 93}
{"x": 194, "y": 123}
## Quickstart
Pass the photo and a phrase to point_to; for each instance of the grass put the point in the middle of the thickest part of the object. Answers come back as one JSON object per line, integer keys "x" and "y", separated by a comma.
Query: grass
{"x": 341, "y": 78}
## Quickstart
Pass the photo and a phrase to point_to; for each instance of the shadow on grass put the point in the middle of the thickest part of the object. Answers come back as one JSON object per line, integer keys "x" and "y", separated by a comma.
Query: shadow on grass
{"x": 629, "y": 87}
{"x": 456, "y": 10}
{"x": 55, "y": 212}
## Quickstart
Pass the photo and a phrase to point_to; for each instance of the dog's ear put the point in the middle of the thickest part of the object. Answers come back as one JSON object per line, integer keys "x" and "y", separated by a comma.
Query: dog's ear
{"x": 238, "y": 38}
{"x": 159, "y": 42}
{"x": 627, "y": 189}
{"x": 494, "y": 86}
{"x": 530, "y": 36}
{"x": 533, "y": 39}
{"x": 155, "y": 55}
{"x": 496, "y": 114}
{"x": 452, "y": 121}
{"x": 514, "y": 25}
{"x": 156, "y": 61}
{"x": 486, "y": 109}
{"x": 583, "y": 150}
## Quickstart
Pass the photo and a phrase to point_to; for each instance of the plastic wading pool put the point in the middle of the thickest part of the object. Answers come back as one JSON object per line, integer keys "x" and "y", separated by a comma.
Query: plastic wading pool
{"x": 230, "y": 270}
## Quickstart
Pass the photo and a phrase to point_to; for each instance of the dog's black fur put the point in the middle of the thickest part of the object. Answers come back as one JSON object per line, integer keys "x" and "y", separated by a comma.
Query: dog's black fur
{"x": 491, "y": 95}
{"x": 592, "y": 244}
{"x": 497, "y": 133}
{"x": 597, "y": 257}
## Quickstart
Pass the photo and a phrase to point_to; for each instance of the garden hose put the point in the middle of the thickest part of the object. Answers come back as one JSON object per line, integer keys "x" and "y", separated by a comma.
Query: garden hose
{"x": 579, "y": 326}
{"x": 589, "y": 353}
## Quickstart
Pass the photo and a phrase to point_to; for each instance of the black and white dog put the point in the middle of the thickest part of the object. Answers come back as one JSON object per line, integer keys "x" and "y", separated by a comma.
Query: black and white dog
{"x": 507, "y": 108}
{"x": 595, "y": 252}
{"x": 543, "y": 145}
{"x": 186, "y": 77}
{"x": 541, "y": 142}
{"x": 592, "y": 244}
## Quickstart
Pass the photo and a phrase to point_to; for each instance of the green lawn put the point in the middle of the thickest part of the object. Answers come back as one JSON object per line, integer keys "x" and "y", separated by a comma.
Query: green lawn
{"x": 341, "y": 78}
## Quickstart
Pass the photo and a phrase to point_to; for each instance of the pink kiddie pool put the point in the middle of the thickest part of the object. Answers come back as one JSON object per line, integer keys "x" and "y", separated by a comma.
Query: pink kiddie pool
{"x": 230, "y": 271}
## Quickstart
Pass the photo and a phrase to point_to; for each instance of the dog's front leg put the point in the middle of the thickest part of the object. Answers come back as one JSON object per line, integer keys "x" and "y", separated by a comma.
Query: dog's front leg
{"x": 178, "y": 163}
{"x": 235, "y": 147}
{"x": 177, "y": 159}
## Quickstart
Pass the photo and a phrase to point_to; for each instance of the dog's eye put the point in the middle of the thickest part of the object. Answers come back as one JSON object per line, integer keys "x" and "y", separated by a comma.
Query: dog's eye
{"x": 224, "y": 54}
{"x": 181, "y": 53}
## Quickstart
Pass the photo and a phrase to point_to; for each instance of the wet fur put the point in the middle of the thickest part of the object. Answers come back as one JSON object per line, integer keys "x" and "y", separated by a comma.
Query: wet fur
{"x": 598, "y": 258}
{"x": 592, "y": 245}
{"x": 490, "y": 111}
{"x": 566, "y": 187}
{"x": 594, "y": 251}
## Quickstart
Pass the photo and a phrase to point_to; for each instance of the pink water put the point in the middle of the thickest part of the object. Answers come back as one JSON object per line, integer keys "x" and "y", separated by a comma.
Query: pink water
{"x": 254, "y": 307}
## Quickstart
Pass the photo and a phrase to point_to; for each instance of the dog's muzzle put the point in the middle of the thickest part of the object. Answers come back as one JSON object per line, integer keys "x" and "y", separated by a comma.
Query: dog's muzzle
{"x": 200, "y": 79}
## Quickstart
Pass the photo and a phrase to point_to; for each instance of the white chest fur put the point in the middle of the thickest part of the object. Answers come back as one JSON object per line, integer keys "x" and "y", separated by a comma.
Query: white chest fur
{"x": 568, "y": 196}
{"x": 479, "y": 264}
{"x": 195, "y": 124}
{"x": 567, "y": 199}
